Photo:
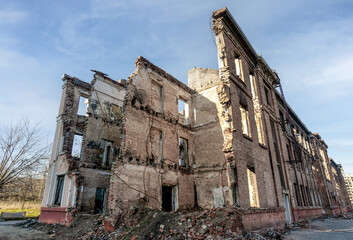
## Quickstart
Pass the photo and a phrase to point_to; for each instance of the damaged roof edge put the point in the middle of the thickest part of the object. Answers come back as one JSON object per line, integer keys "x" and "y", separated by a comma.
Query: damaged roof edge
{"x": 141, "y": 61}
{"x": 121, "y": 82}
{"x": 76, "y": 81}
{"x": 233, "y": 25}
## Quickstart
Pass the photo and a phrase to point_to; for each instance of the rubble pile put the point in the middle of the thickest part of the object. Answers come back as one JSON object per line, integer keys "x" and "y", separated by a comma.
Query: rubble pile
{"x": 138, "y": 223}
{"x": 153, "y": 224}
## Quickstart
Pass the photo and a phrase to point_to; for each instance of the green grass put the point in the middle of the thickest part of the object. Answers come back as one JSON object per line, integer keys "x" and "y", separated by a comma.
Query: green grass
{"x": 32, "y": 209}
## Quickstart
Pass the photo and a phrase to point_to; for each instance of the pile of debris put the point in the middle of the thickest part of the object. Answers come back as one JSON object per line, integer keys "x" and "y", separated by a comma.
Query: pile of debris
{"x": 137, "y": 223}
{"x": 220, "y": 223}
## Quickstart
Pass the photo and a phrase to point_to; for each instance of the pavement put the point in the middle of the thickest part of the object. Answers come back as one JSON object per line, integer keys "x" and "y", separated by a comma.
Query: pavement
{"x": 324, "y": 229}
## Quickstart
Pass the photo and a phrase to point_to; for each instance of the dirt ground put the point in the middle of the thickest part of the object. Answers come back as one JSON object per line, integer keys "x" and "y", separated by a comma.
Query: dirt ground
{"x": 10, "y": 232}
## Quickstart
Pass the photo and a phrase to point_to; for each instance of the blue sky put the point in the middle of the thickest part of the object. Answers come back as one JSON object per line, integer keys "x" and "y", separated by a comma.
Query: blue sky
{"x": 309, "y": 43}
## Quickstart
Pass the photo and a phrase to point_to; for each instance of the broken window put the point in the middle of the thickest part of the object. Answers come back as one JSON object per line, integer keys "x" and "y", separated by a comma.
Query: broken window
{"x": 257, "y": 111}
{"x": 267, "y": 96}
{"x": 82, "y": 106}
{"x": 59, "y": 189}
{"x": 253, "y": 86}
{"x": 160, "y": 158}
{"x": 283, "y": 125}
{"x": 107, "y": 154}
{"x": 310, "y": 202}
{"x": 183, "y": 109}
{"x": 76, "y": 146}
{"x": 253, "y": 193}
{"x": 312, "y": 197}
{"x": 260, "y": 130}
{"x": 238, "y": 67}
{"x": 183, "y": 152}
{"x": 303, "y": 194}
{"x": 297, "y": 195}
{"x": 99, "y": 200}
{"x": 235, "y": 186}
{"x": 245, "y": 120}
{"x": 169, "y": 198}
{"x": 278, "y": 157}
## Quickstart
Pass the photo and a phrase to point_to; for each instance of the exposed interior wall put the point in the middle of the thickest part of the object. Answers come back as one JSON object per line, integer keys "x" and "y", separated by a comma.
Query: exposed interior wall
{"x": 153, "y": 129}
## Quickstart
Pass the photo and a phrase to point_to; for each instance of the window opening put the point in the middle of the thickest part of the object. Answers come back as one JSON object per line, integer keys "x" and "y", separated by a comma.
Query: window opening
{"x": 76, "y": 146}
{"x": 245, "y": 120}
{"x": 259, "y": 126}
{"x": 297, "y": 194}
{"x": 82, "y": 106}
{"x": 183, "y": 152}
{"x": 283, "y": 125}
{"x": 267, "y": 95}
{"x": 235, "y": 186}
{"x": 160, "y": 158}
{"x": 59, "y": 189}
{"x": 107, "y": 154}
{"x": 275, "y": 143}
{"x": 99, "y": 200}
{"x": 253, "y": 193}
{"x": 253, "y": 86}
{"x": 303, "y": 194}
{"x": 238, "y": 67}
{"x": 183, "y": 109}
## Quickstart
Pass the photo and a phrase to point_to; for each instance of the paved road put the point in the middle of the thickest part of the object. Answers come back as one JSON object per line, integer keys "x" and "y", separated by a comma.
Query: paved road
{"x": 328, "y": 229}
{"x": 9, "y": 232}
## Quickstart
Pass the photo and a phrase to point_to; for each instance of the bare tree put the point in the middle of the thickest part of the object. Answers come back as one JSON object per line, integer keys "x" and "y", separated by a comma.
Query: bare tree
{"x": 22, "y": 150}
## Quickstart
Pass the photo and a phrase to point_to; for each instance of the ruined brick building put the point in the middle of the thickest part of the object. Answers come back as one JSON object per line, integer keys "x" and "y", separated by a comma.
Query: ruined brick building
{"x": 226, "y": 138}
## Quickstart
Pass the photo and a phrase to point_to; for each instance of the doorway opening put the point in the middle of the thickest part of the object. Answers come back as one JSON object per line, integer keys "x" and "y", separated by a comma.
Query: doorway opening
{"x": 169, "y": 202}
{"x": 99, "y": 200}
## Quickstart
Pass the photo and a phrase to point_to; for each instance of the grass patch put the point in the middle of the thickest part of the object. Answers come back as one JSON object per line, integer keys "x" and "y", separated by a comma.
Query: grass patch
{"x": 32, "y": 209}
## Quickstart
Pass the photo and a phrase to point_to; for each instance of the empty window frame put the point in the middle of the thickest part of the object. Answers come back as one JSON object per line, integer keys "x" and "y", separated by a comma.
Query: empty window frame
{"x": 297, "y": 195}
{"x": 312, "y": 197}
{"x": 238, "y": 67}
{"x": 278, "y": 156}
{"x": 160, "y": 158}
{"x": 259, "y": 126}
{"x": 183, "y": 108}
{"x": 82, "y": 106}
{"x": 76, "y": 146}
{"x": 283, "y": 124}
{"x": 245, "y": 120}
{"x": 253, "y": 193}
{"x": 253, "y": 86}
{"x": 235, "y": 186}
{"x": 267, "y": 96}
{"x": 183, "y": 152}
{"x": 59, "y": 189}
{"x": 107, "y": 154}
{"x": 310, "y": 201}
{"x": 304, "y": 195}
{"x": 289, "y": 153}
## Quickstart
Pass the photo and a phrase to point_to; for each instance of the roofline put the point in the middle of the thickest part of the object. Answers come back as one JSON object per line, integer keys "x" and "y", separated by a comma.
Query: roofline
{"x": 147, "y": 64}
{"x": 243, "y": 40}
